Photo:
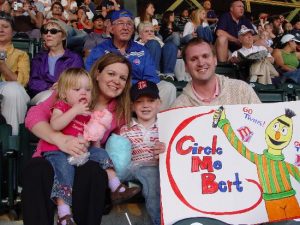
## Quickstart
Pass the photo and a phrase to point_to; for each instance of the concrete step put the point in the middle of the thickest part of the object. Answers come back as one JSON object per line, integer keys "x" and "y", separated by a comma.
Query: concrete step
{"x": 136, "y": 213}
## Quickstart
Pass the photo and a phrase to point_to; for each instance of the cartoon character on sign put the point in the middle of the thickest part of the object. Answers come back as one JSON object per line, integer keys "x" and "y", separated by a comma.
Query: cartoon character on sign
{"x": 273, "y": 172}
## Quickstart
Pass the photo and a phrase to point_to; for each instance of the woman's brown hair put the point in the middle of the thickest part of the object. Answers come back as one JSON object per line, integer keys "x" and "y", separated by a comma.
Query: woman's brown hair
{"x": 123, "y": 100}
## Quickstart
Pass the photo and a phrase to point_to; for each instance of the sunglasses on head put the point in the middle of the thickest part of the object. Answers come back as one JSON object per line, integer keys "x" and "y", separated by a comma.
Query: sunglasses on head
{"x": 52, "y": 31}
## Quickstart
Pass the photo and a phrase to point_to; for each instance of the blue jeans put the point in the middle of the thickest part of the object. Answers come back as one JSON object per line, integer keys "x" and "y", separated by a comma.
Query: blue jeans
{"x": 293, "y": 75}
{"x": 205, "y": 33}
{"x": 149, "y": 178}
{"x": 174, "y": 38}
{"x": 187, "y": 38}
{"x": 76, "y": 39}
{"x": 169, "y": 57}
{"x": 155, "y": 51}
{"x": 64, "y": 172}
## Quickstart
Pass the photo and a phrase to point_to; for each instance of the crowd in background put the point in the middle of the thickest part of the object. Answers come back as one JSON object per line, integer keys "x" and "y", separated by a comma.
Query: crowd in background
{"x": 81, "y": 26}
{"x": 76, "y": 34}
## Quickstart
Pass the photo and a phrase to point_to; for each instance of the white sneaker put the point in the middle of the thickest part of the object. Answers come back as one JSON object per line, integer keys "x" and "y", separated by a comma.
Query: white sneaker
{"x": 169, "y": 77}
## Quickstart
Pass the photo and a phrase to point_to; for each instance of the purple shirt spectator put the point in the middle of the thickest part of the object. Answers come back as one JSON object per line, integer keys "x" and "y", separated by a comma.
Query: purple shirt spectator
{"x": 40, "y": 78}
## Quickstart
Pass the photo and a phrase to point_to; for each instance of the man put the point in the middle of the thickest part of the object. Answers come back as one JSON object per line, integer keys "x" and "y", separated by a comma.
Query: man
{"x": 260, "y": 70}
{"x": 143, "y": 67}
{"x": 296, "y": 32}
{"x": 277, "y": 30}
{"x": 207, "y": 87}
{"x": 98, "y": 35}
{"x": 211, "y": 16}
{"x": 227, "y": 30}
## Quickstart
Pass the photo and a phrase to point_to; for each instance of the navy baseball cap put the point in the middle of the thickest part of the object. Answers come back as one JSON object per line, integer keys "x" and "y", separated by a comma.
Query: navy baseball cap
{"x": 117, "y": 14}
{"x": 144, "y": 88}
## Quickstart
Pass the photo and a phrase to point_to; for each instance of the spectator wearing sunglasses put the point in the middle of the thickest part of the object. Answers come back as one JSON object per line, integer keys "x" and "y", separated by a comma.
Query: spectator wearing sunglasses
{"x": 47, "y": 66}
{"x": 14, "y": 75}
{"x": 75, "y": 37}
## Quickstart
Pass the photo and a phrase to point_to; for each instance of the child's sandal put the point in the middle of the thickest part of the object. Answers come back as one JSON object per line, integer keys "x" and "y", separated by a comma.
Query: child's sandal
{"x": 68, "y": 218}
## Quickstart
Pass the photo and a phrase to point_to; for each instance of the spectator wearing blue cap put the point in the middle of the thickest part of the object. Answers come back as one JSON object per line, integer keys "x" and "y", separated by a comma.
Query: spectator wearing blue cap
{"x": 143, "y": 67}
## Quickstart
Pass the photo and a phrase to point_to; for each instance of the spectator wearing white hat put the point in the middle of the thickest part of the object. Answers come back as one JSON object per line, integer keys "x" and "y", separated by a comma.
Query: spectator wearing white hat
{"x": 245, "y": 36}
{"x": 260, "y": 67}
{"x": 287, "y": 59}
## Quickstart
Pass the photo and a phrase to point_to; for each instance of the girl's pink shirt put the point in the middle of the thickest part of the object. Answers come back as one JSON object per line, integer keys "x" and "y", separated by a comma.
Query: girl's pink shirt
{"x": 42, "y": 112}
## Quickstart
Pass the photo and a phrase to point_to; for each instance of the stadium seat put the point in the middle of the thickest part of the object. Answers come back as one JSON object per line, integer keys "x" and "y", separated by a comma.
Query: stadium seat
{"x": 9, "y": 168}
{"x": 297, "y": 94}
{"x": 290, "y": 90}
{"x": 228, "y": 70}
{"x": 199, "y": 220}
{"x": 269, "y": 93}
{"x": 27, "y": 45}
{"x": 179, "y": 86}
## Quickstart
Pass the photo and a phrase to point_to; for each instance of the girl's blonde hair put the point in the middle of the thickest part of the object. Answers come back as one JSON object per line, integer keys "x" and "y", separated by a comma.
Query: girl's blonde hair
{"x": 195, "y": 16}
{"x": 123, "y": 111}
{"x": 70, "y": 79}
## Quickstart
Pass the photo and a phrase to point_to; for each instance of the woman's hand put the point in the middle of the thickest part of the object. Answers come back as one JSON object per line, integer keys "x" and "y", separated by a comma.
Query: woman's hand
{"x": 72, "y": 145}
{"x": 158, "y": 148}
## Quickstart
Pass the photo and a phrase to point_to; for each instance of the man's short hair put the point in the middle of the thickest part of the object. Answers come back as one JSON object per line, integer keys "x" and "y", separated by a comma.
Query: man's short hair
{"x": 273, "y": 18}
{"x": 233, "y": 1}
{"x": 57, "y": 3}
{"x": 196, "y": 41}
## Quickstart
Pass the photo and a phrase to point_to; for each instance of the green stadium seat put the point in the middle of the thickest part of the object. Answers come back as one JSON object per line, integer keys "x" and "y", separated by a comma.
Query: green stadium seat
{"x": 297, "y": 94}
{"x": 290, "y": 90}
{"x": 27, "y": 45}
{"x": 200, "y": 220}
{"x": 179, "y": 86}
{"x": 268, "y": 93}
{"x": 228, "y": 70}
{"x": 9, "y": 168}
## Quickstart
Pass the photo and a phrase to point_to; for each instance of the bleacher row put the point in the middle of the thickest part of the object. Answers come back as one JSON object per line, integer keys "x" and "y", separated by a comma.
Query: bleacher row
{"x": 15, "y": 151}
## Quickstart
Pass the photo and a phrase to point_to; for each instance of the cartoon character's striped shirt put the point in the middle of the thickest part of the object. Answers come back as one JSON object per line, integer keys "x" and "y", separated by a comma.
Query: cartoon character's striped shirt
{"x": 273, "y": 172}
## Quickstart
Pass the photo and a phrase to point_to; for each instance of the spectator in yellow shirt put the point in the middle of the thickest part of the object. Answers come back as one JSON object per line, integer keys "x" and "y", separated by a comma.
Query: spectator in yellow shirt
{"x": 14, "y": 70}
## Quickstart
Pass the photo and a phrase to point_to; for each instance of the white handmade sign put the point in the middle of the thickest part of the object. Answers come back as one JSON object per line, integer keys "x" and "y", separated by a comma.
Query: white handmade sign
{"x": 238, "y": 164}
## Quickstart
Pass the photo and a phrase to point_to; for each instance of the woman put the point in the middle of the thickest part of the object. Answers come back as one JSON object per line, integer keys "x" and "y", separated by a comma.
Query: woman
{"x": 14, "y": 70}
{"x": 112, "y": 79}
{"x": 287, "y": 59}
{"x": 168, "y": 30}
{"x": 164, "y": 55}
{"x": 48, "y": 65}
{"x": 198, "y": 26}
{"x": 146, "y": 14}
